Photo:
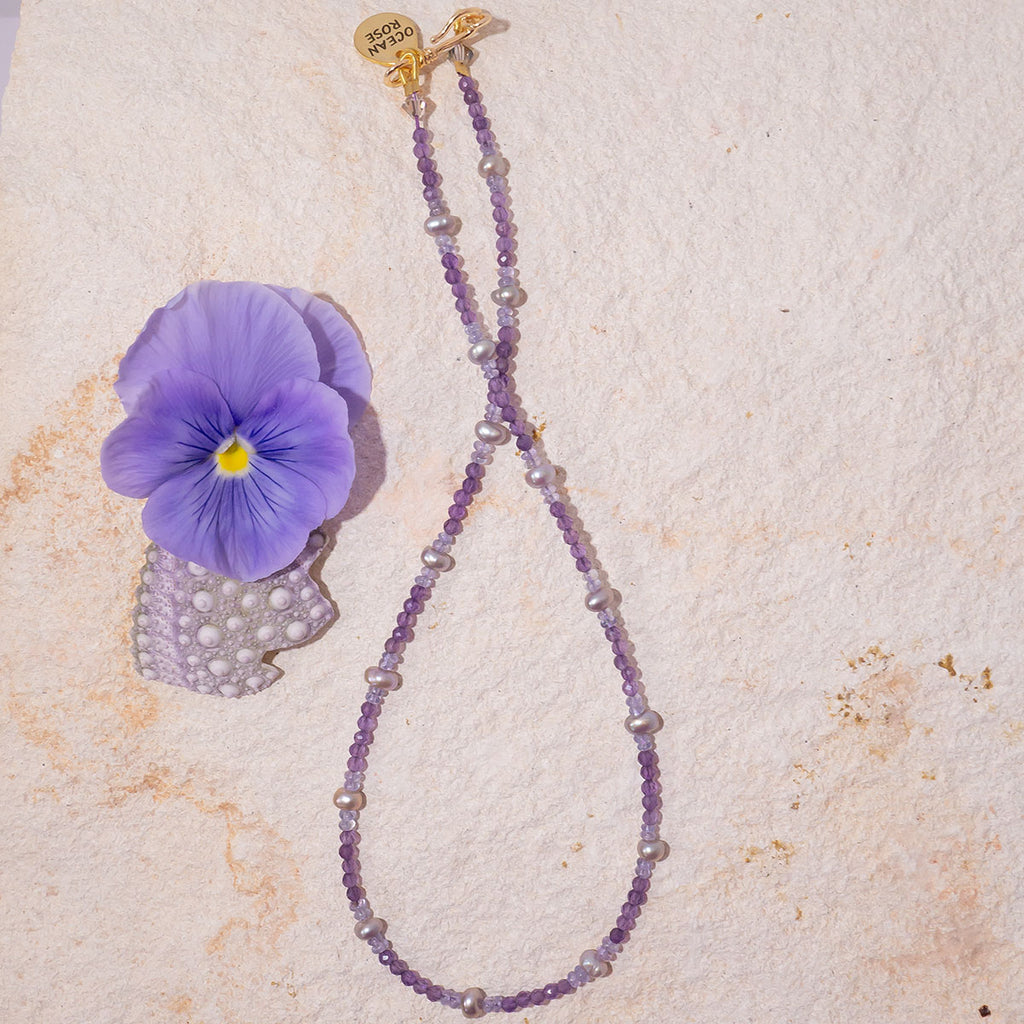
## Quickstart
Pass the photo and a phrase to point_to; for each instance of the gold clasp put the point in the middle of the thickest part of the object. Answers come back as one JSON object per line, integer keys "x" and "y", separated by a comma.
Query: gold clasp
{"x": 405, "y": 62}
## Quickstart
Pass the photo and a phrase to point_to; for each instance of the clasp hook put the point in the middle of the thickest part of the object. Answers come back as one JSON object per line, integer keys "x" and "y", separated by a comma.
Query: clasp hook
{"x": 462, "y": 26}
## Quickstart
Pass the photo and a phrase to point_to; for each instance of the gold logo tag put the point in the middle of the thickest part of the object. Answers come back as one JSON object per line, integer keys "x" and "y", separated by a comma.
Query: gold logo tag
{"x": 381, "y": 37}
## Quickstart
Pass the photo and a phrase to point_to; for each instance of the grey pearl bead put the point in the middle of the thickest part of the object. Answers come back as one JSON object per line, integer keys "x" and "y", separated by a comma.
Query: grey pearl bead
{"x": 593, "y": 964}
{"x": 506, "y": 295}
{"x": 473, "y": 1002}
{"x": 598, "y": 600}
{"x": 652, "y": 850}
{"x": 371, "y": 928}
{"x": 436, "y": 559}
{"x": 640, "y": 725}
{"x": 493, "y": 163}
{"x": 492, "y": 433}
{"x": 346, "y": 800}
{"x": 382, "y": 678}
{"x": 440, "y": 224}
{"x": 540, "y": 476}
{"x": 481, "y": 352}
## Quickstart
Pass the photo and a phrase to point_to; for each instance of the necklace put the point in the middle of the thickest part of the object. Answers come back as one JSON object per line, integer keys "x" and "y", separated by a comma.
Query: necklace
{"x": 393, "y": 40}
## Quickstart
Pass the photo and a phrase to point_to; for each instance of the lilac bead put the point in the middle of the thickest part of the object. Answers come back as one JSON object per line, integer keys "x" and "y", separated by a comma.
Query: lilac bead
{"x": 459, "y": 290}
{"x": 524, "y": 442}
{"x": 504, "y": 245}
{"x": 481, "y": 123}
{"x": 506, "y": 259}
{"x": 499, "y": 214}
{"x": 485, "y": 138}
{"x": 468, "y": 317}
{"x": 450, "y": 260}
{"x": 430, "y": 178}
{"x": 432, "y": 194}
{"x": 537, "y": 997}
{"x": 551, "y": 991}
{"x": 420, "y": 986}
{"x": 523, "y": 1000}
{"x": 470, "y": 96}
{"x": 498, "y": 199}
{"x": 458, "y": 512}
{"x": 509, "y": 1004}
{"x": 452, "y": 275}
{"x": 466, "y": 82}
{"x": 474, "y": 472}
{"x": 630, "y": 674}
{"x": 652, "y": 817}
{"x": 647, "y": 757}
{"x": 412, "y": 606}
{"x": 387, "y": 957}
{"x": 476, "y": 109}
{"x": 504, "y": 229}
{"x": 433, "y": 993}
{"x": 583, "y": 564}
{"x": 393, "y": 646}
{"x": 453, "y": 528}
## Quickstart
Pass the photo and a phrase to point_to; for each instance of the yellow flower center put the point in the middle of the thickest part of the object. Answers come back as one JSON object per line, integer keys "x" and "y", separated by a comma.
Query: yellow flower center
{"x": 234, "y": 458}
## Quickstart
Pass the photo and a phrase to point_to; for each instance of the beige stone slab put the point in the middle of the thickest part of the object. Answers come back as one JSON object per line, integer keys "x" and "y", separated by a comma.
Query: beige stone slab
{"x": 772, "y": 334}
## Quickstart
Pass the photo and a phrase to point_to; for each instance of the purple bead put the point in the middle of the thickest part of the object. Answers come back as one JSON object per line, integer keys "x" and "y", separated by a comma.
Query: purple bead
{"x": 453, "y": 275}
{"x": 564, "y": 987}
{"x": 649, "y": 771}
{"x": 468, "y": 317}
{"x": 557, "y": 509}
{"x": 523, "y": 999}
{"x": 471, "y": 486}
{"x": 420, "y": 986}
{"x": 356, "y": 764}
{"x": 421, "y": 149}
{"x": 506, "y": 259}
{"x": 651, "y": 803}
{"x": 418, "y": 593}
{"x": 641, "y": 884}
{"x": 433, "y": 993}
{"x": 652, "y": 817}
{"x": 471, "y": 96}
{"x": 619, "y": 646}
{"x": 369, "y": 710}
{"x": 617, "y": 935}
{"x": 460, "y": 291}
{"x": 537, "y": 997}
{"x": 387, "y": 956}
{"x": 498, "y": 199}
{"x": 409, "y": 977}
{"x": 458, "y": 511}
{"x": 505, "y": 229}
{"x": 461, "y": 305}
{"x": 450, "y": 259}
{"x": 570, "y": 537}
{"x": 453, "y": 528}
{"x": 405, "y": 619}
{"x": 460, "y": 497}
{"x": 629, "y": 673}
{"x": 364, "y": 737}
{"x": 396, "y": 967}
{"x": 480, "y": 123}
{"x": 430, "y": 178}
{"x": 476, "y": 109}
{"x": 524, "y": 443}
{"x": 583, "y": 564}
{"x": 518, "y": 427}
{"x": 564, "y": 521}
{"x": 412, "y": 606}
{"x": 509, "y": 1004}
{"x": 350, "y": 878}
{"x": 354, "y": 893}
{"x": 466, "y": 83}
{"x": 474, "y": 471}
{"x": 650, "y": 788}
{"x": 431, "y": 194}
{"x": 357, "y": 750}
{"x": 647, "y": 757}
{"x": 621, "y": 661}
{"x": 420, "y": 135}
{"x": 551, "y": 991}
{"x": 504, "y": 245}
{"x": 577, "y": 550}
{"x": 393, "y": 646}
{"x": 485, "y": 137}
{"x": 638, "y": 899}
{"x": 508, "y": 334}
{"x": 499, "y": 214}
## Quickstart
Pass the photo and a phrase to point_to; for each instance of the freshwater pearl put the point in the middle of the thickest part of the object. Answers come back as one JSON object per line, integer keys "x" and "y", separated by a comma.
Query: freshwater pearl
{"x": 346, "y": 800}
{"x": 642, "y": 725}
{"x": 382, "y": 678}
{"x": 506, "y": 295}
{"x": 473, "y": 1002}
{"x": 440, "y": 224}
{"x": 540, "y": 476}
{"x": 493, "y": 163}
{"x": 491, "y": 433}
{"x": 371, "y": 928}
{"x": 436, "y": 560}
{"x": 599, "y": 599}
{"x": 481, "y": 352}
{"x": 652, "y": 850}
{"x": 593, "y": 964}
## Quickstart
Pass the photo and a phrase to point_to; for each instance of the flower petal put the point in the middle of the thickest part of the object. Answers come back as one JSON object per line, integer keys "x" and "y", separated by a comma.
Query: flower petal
{"x": 244, "y": 527}
{"x": 299, "y": 429}
{"x": 343, "y": 364}
{"x": 179, "y": 421}
{"x": 244, "y": 336}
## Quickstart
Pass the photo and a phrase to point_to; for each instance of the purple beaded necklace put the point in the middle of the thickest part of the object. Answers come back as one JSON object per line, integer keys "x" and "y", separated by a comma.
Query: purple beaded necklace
{"x": 503, "y": 419}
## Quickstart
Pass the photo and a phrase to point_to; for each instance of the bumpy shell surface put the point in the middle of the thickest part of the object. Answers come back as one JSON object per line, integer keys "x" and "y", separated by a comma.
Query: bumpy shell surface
{"x": 210, "y": 634}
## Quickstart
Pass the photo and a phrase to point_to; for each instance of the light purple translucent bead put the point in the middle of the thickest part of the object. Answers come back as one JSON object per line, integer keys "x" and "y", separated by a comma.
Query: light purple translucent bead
{"x": 354, "y": 780}
{"x": 644, "y": 741}
{"x": 362, "y": 911}
{"x": 608, "y": 950}
{"x": 644, "y": 868}
{"x": 636, "y": 705}
{"x": 347, "y": 820}
{"x": 388, "y": 661}
{"x": 492, "y": 1004}
{"x": 375, "y": 695}
{"x": 649, "y": 831}
{"x": 379, "y": 943}
{"x": 451, "y": 999}
{"x": 578, "y": 976}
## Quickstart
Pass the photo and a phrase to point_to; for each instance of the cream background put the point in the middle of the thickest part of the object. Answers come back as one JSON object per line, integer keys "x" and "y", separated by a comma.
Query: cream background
{"x": 773, "y": 258}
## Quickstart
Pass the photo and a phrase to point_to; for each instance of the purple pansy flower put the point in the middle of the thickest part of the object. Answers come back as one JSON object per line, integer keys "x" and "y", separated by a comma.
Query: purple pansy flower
{"x": 239, "y": 399}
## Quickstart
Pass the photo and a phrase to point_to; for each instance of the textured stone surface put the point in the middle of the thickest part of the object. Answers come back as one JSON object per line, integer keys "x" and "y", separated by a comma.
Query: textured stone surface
{"x": 773, "y": 267}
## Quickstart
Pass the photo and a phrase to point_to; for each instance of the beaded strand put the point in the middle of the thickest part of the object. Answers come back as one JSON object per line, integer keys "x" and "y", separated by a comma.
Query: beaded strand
{"x": 502, "y": 420}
